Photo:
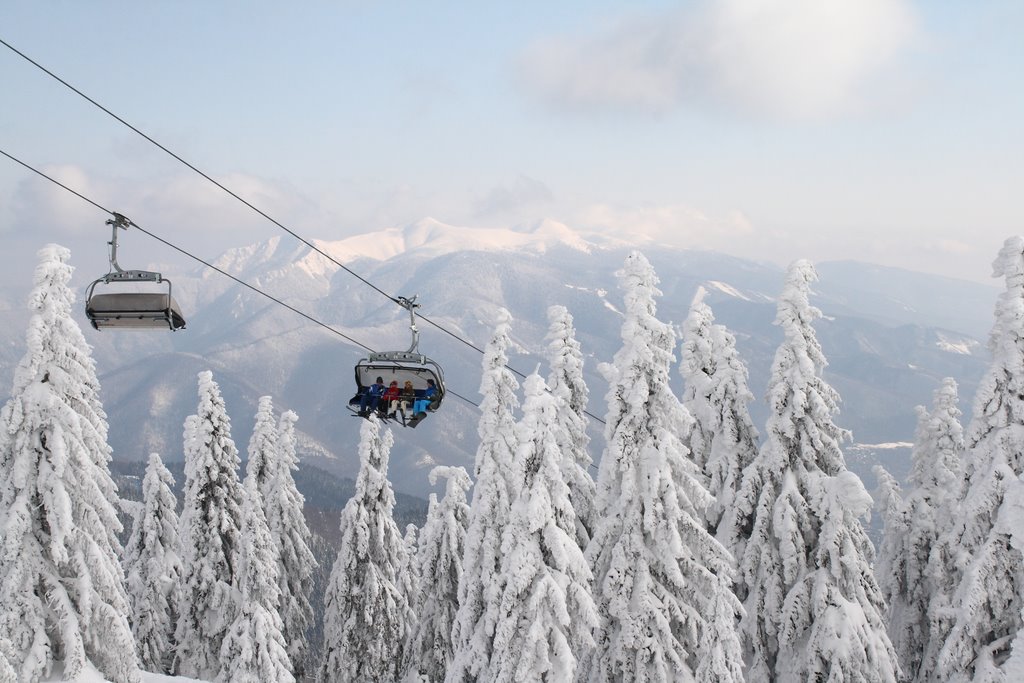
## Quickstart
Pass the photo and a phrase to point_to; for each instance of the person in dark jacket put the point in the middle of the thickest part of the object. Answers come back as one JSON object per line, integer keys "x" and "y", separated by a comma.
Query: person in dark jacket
{"x": 371, "y": 397}
{"x": 420, "y": 406}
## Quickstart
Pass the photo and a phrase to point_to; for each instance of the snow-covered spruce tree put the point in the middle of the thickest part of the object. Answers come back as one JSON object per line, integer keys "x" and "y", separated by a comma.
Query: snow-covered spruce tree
{"x": 263, "y": 448}
{"x": 723, "y": 440}
{"x": 366, "y": 615}
{"x": 481, "y": 582}
{"x": 409, "y": 578}
{"x": 566, "y": 383}
{"x": 211, "y": 520}
{"x": 153, "y": 569}
{"x": 662, "y": 584}
{"x": 990, "y": 522}
{"x": 813, "y": 606}
{"x": 292, "y": 538}
{"x": 62, "y": 594}
{"x": 547, "y": 612}
{"x": 917, "y": 586}
{"x": 7, "y": 673}
{"x": 253, "y": 649}
{"x": 442, "y": 542}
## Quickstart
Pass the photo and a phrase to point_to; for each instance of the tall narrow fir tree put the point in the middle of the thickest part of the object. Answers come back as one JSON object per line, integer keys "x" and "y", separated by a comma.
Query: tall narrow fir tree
{"x": 567, "y": 385}
{"x": 662, "y": 583}
{"x": 62, "y": 594}
{"x": 813, "y": 606}
{"x": 724, "y": 440}
{"x": 986, "y": 641}
{"x": 911, "y": 567}
{"x": 153, "y": 568}
{"x": 295, "y": 562}
{"x": 480, "y": 586}
{"x": 211, "y": 522}
{"x": 547, "y": 613}
{"x": 442, "y": 542}
{"x": 366, "y": 615}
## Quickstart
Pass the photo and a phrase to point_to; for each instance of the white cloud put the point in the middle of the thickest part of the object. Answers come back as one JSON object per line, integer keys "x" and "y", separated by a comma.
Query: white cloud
{"x": 786, "y": 58}
{"x": 504, "y": 200}
{"x": 676, "y": 225}
{"x": 40, "y": 206}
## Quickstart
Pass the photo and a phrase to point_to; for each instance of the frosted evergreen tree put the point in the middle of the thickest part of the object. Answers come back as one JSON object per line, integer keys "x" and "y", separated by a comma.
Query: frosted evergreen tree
{"x": 366, "y": 615}
{"x": 62, "y": 594}
{"x": 292, "y": 538}
{"x": 153, "y": 569}
{"x": 914, "y": 580}
{"x": 7, "y": 672}
{"x": 253, "y": 648}
{"x": 989, "y": 600}
{"x": 211, "y": 521}
{"x": 439, "y": 560}
{"x": 547, "y": 610}
{"x": 813, "y": 606}
{"x": 263, "y": 448}
{"x": 481, "y": 585}
{"x": 723, "y": 440}
{"x": 409, "y": 579}
{"x": 566, "y": 383}
{"x": 662, "y": 583}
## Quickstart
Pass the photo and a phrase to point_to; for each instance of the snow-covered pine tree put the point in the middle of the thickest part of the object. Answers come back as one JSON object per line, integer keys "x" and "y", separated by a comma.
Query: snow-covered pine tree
{"x": 547, "y": 612}
{"x": 253, "y": 649}
{"x": 442, "y": 542}
{"x": 724, "y": 440}
{"x": 153, "y": 569}
{"x": 211, "y": 520}
{"x": 7, "y": 673}
{"x": 566, "y": 383}
{"x": 62, "y": 594}
{"x": 480, "y": 586}
{"x": 662, "y": 583}
{"x": 988, "y": 533}
{"x": 263, "y": 448}
{"x": 409, "y": 578}
{"x": 366, "y": 616}
{"x": 917, "y": 589}
{"x": 813, "y": 607}
{"x": 292, "y": 538}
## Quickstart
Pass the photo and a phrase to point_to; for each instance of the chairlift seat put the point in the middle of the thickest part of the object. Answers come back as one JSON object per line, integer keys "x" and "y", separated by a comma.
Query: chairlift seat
{"x": 134, "y": 310}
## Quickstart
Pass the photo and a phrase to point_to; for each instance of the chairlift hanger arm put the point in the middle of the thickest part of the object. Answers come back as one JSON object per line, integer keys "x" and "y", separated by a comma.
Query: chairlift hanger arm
{"x": 411, "y": 306}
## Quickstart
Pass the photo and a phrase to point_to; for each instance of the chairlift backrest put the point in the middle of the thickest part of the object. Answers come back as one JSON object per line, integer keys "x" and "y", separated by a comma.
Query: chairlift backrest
{"x": 134, "y": 310}
{"x": 399, "y": 366}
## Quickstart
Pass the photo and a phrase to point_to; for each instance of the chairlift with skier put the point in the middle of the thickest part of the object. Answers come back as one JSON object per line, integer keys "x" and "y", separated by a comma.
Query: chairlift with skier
{"x": 423, "y": 374}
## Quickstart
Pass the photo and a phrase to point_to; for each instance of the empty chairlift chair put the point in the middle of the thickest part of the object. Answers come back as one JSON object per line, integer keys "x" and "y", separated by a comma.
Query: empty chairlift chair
{"x": 111, "y": 306}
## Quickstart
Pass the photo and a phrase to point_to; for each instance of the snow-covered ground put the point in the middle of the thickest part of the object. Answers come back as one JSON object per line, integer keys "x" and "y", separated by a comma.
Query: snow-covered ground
{"x": 91, "y": 675}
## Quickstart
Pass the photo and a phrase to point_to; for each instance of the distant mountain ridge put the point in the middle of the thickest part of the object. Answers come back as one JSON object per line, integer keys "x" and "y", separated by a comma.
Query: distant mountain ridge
{"x": 889, "y": 334}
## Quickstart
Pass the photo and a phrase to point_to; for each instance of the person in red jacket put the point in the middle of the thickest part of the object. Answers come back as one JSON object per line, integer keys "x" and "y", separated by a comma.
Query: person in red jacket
{"x": 390, "y": 397}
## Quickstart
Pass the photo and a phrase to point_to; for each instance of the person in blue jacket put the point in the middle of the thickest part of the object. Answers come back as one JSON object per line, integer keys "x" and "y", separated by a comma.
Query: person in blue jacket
{"x": 421, "y": 403}
{"x": 371, "y": 397}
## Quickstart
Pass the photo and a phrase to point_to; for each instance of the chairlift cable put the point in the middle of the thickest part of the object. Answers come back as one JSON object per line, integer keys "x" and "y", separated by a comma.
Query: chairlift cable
{"x": 226, "y": 189}
{"x": 259, "y": 211}
{"x": 209, "y": 265}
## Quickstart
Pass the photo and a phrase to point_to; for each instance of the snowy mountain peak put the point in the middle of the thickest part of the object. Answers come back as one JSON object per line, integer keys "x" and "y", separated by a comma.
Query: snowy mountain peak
{"x": 429, "y": 237}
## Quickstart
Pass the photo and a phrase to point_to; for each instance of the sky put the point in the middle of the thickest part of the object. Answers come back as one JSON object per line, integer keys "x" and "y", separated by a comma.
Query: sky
{"x": 886, "y": 131}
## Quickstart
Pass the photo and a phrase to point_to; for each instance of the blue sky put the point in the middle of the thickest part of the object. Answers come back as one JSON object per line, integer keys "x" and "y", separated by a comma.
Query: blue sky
{"x": 880, "y": 130}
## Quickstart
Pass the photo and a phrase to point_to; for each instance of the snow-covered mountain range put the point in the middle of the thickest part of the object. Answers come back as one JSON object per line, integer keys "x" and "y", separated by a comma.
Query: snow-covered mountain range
{"x": 890, "y": 335}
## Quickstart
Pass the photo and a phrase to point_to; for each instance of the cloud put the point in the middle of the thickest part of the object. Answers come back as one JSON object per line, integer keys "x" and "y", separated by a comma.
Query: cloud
{"x": 183, "y": 209}
{"x": 785, "y": 58}
{"x": 41, "y": 207}
{"x": 675, "y": 225}
{"x": 505, "y": 200}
